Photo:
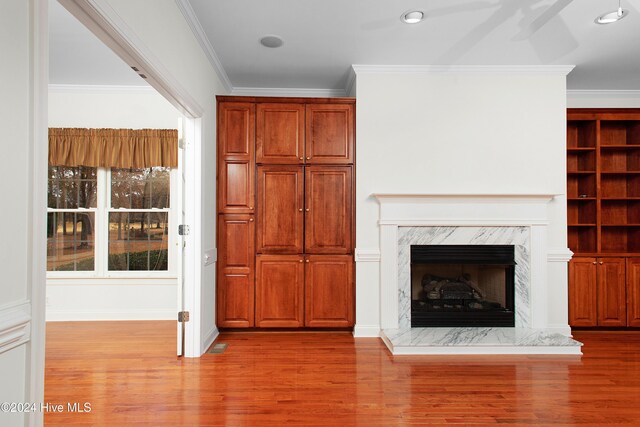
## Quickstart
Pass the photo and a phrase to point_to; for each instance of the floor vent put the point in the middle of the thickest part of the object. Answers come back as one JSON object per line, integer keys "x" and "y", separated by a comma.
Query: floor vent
{"x": 217, "y": 348}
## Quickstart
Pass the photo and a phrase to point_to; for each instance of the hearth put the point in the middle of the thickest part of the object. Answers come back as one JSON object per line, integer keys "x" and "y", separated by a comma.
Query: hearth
{"x": 462, "y": 285}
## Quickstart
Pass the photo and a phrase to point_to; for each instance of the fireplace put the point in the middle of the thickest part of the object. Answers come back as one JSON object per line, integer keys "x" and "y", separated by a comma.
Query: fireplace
{"x": 462, "y": 285}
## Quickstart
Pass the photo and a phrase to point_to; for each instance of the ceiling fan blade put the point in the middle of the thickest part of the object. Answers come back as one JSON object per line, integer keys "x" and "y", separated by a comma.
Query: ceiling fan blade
{"x": 542, "y": 20}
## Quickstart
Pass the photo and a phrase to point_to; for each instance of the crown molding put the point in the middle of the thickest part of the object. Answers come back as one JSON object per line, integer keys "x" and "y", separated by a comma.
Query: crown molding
{"x": 121, "y": 89}
{"x": 603, "y": 94}
{"x": 294, "y": 92}
{"x": 464, "y": 69}
{"x": 203, "y": 41}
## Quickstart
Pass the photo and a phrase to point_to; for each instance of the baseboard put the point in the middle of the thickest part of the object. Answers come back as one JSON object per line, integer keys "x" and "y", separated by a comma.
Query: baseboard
{"x": 366, "y": 331}
{"x": 15, "y": 325}
{"x": 209, "y": 339}
{"x": 88, "y": 315}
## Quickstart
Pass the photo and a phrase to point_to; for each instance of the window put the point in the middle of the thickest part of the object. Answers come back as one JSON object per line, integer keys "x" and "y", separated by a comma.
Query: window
{"x": 106, "y": 222}
{"x": 71, "y": 218}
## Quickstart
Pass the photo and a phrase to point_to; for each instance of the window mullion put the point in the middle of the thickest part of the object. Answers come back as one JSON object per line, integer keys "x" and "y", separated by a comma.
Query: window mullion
{"x": 103, "y": 234}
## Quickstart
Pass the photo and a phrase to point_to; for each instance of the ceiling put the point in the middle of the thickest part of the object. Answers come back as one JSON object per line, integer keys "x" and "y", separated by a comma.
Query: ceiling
{"x": 323, "y": 38}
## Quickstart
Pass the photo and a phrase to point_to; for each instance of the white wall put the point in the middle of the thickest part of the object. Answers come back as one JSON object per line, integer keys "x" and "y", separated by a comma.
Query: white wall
{"x": 21, "y": 329}
{"x": 109, "y": 299}
{"x": 165, "y": 33}
{"x": 457, "y": 133}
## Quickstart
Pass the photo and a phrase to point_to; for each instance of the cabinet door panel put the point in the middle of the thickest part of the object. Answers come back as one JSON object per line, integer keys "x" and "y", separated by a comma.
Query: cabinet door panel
{"x": 235, "y": 183}
{"x": 235, "y": 283}
{"x": 236, "y": 130}
{"x": 633, "y": 292}
{"x": 330, "y": 134}
{"x": 328, "y": 206}
{"x": 279, "y": 291}
{"x": 329, "y": 291}
{"x": 612, "y": 297}
{"x": 280, "y": 210}
{"x": 280, "y": 133}
{"x": 582, "y": 292}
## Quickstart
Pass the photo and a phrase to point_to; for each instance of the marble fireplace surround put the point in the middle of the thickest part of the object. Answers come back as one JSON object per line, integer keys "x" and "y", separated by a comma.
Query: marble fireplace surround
{"x": 519, "y": 220}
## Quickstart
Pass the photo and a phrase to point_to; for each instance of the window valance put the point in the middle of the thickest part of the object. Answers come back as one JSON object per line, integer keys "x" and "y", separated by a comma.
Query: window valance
{"x": 117, "y": 148}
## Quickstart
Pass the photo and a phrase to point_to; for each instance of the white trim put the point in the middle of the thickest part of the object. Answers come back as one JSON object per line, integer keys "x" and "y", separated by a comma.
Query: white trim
{"x": 37, "y": 163}
{"x": 449, "y": 198}
{"x": 366, "y": 331}
{"x": 562, "y": 70}
{"x": 292, "y": 91}
{"x": 603, "y": 94}
{"x": 15, "y": 325}
{"x": 116, "y": 89}
{"x": 559, "y": 329}
{"x": 105, "y": 23}
{"x": 559, "y": 255}
{"x": 447, "y": 221}
{"x": 111, "y": 281}
{"x": 351, "y": 81}
{"x": 367, "y": 255}
{"x": 209, "y": 338}
{"x": 203, "y": 41}
{"x": 100, "y": 315}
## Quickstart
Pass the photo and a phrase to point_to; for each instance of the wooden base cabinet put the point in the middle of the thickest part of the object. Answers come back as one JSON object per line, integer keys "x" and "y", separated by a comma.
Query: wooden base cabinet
{"x": 235, "y": 302}
{"x": 633, "y": 292}
{"x": 598, "y": 291}
{"x": 329, "y": 291}
{"x": 279, "y": 291}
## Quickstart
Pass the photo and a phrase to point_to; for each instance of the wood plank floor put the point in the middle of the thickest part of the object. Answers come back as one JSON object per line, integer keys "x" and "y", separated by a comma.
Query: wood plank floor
{"x": 127, "y": 371}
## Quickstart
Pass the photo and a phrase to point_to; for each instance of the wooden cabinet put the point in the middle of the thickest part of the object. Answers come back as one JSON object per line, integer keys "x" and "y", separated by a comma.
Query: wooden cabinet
{"x": 329, "y": 133}
{"x": 583, "y": 292}
{"x": 289, "y": 161}
{"x": 280, "y": 215}
{"x": 603, "y": 211}
{"x": 280, "y": 133}
{"x": 633, "y": 292}
{"x": 328, "y": 210}
{"x": 235, "y": 284}
{"x": 279, "y": 291}
{"x": 597, "y": 292}
{"x": 236, "y": 157}
{"x": 329, "y": 291}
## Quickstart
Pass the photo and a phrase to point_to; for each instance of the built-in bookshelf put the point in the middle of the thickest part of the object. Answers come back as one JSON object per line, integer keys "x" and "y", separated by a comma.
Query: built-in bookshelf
{"x": 603, "y": 181}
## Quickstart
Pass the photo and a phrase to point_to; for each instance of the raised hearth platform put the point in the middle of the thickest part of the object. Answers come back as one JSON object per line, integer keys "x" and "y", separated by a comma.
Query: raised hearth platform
{"x": 451, "y": 341}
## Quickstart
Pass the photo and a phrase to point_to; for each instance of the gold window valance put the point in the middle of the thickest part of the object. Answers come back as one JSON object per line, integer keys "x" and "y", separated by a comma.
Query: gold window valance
{"x": 117, "y": 148}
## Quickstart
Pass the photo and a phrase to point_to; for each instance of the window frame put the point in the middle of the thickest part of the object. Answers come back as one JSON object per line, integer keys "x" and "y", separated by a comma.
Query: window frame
{"x": 101, "y": 234}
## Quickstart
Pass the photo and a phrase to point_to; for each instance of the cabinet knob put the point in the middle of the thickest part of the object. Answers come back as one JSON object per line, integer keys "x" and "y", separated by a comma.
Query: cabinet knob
{"x": 251, "y": 207}
{"x": 600, "y": 262}
{"x": 307, "y": 260}
{"x": 594, "y": 263}
{"x": 301, "y": 158}
{"x": 308, "y": 158}
{"x": 250, "y": 219}
{"x": 300, "y": 209}
{"x": 307, "y": 209}
{"x": 300, "y": 260}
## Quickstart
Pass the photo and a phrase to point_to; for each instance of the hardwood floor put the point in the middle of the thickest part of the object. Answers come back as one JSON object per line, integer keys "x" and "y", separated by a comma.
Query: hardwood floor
{"x": 127, "y": 371}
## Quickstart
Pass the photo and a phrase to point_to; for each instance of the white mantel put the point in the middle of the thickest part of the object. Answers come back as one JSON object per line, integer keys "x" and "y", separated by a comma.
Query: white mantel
{"x": 518, "y": 219}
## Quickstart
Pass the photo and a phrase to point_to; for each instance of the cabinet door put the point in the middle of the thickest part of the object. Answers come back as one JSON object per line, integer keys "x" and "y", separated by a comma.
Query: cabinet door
{"x": 235, "y": 284}
{"x": 329, "y": 291}
{"x": 328, "y": 210}
{"x": 329, "y": 133}
{"x": 280, "y": 210}
{"x": 279, "y": 291}
{"x": 633, "y": 292}
{"x": 612, "y": 296}
{"x": 280, "y": 133}
{"x": 582, "y": 292}
{"x": 236, "y": 157}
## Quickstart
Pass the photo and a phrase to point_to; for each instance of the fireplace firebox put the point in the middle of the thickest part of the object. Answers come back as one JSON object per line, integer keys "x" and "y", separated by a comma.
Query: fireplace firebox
{"x": 462, "y": 285}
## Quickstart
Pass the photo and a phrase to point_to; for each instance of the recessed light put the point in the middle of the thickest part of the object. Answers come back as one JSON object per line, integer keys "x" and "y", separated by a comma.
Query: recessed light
{"x": 412, "y": 17}
{"x": 271, "y": 41}
{"x": 610, "y": 17}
